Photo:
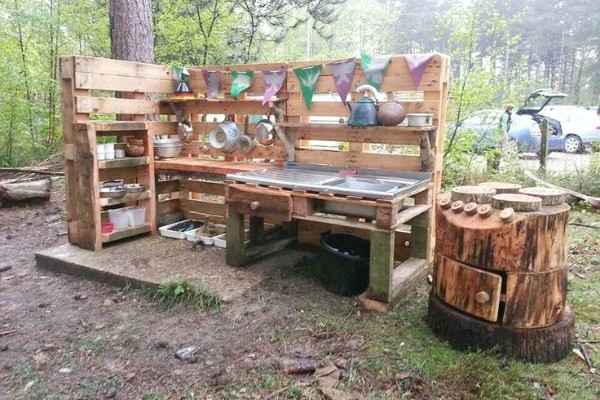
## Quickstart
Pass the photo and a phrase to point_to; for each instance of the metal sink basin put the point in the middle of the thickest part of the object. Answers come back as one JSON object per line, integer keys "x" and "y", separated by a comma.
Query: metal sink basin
{"x": 366, "y": 183}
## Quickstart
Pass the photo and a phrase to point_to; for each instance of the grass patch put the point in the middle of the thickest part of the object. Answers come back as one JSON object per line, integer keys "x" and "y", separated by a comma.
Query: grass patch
{"x": 173, "y": 293}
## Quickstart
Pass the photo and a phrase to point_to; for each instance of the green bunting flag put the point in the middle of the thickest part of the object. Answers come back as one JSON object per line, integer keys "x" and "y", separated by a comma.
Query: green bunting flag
{"x": 240, "y": 81}
{"x": 374, "y": 68}
{"x": 308, "y": 77}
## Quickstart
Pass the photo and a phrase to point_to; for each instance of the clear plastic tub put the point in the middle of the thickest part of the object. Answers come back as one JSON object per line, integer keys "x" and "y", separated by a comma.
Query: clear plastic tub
{"x": 119, "y": 218}
{"x": 136, "y": 215}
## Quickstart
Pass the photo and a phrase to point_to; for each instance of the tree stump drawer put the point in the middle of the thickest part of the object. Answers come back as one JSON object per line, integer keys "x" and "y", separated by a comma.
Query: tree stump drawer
{"x": 471, "y": 290}
{"x": 259, "y": 201}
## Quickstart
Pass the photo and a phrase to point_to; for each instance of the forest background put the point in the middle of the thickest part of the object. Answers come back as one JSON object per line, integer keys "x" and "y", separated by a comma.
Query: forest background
{"x": 501, "y": 49}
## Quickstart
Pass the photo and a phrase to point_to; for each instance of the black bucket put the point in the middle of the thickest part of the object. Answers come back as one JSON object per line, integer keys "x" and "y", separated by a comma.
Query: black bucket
{"x": 344, "y": 263}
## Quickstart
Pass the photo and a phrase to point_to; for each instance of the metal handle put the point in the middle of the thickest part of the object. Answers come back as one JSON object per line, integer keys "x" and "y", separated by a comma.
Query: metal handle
{"x": 254, "y": 205}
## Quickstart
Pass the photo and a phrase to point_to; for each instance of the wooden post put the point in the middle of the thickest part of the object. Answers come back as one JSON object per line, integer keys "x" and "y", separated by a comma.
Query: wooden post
{"x": 257, "y": 230}
{"x": 381, "y": 266}
{"x": 544, "y": 146}
{"x": 235, "y": 239}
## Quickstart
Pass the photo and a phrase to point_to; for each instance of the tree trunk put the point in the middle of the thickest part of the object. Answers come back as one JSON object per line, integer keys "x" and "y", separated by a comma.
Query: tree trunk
{"x": 131, "y": 30}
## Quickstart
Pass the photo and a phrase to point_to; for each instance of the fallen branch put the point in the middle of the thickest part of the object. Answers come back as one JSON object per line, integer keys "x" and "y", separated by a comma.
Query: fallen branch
{"x": 7, "y": 332}
{"x": 586, "y": 225}
{"x": 32, "y": 171}
{"x": 586, "y": 356}
{"x": 594, "y": 201}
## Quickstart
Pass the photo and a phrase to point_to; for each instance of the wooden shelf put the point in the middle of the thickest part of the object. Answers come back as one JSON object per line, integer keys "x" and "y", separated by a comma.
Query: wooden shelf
{"x": 116, "y": 126}
{"x": 123, "y": 162}
{"x": 347, "y": 128}
{"x": 125, "y": 233}
{"x": 128, "y": 198}
{"x": 176, "y": 100}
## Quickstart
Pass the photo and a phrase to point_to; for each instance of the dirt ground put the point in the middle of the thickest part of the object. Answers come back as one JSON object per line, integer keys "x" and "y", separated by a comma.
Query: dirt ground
{"x": 65, "y": 337}
{"x": 62, "y": 337}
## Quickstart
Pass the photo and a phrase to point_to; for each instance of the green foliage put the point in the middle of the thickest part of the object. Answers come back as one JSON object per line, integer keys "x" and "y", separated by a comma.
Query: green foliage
{"x": 198, "y": 294}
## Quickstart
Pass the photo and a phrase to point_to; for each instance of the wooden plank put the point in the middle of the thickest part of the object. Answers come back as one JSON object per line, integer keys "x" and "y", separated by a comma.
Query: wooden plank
{"x": 388, "y": 137}
{"x": 337, "y": 109}
{"x": 235, "y": 251}
{"x": 116, "y": 126}
{"x": 259, "y": 202}
{"x": 381, "y": 266}
{"x": 123, "y": 162}
{"x": 168, "y": 206}
{"x": 339, "y": 222}
{"x": 128, "y": 198}
{"x": 109, "y": 105}
{"x": 360, "y": 160}
{"x": 346, "y": 129}
{"x": 535, "y": 300}
{"x": 217, "y": 219}
{"x": 198, "y": 186}
{"x": 126, "y": 233}
{"x": 257, "y": 252}
{"x": 122, "y": 68}
{"x": 169, "y": 186}
{"x": 410, "y": 213}
{"x": 471, "y": 290}
{"x": 89, "y": 81}
{"x": 203, "y": 207}
{"x": 275, "y": 152}
{"x": 208, "y": 166}
{"x": 405, "y": 274}
{"x": 86, "y": 188}
{"x": 128, "y": 174}
{"x": 224, "y": 106}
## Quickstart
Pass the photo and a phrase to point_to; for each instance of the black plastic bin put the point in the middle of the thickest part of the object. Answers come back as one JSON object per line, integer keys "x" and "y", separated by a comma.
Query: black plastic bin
{"x": 344, "y": 263}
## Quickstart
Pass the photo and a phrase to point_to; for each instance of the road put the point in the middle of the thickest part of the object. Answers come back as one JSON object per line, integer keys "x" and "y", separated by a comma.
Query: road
{"x": 558, "y": 162}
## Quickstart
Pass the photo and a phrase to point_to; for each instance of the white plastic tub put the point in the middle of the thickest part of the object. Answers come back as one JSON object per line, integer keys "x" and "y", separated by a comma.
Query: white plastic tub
{"x": 420, "y": 119}
{"x": 136, "y": 215}
{"x": 177, "y": 230}
{"x": 207, "y": 240}
{"x": 119, "y": 218}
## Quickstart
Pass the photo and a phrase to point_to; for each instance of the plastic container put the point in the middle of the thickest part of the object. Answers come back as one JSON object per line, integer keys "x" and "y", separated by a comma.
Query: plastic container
{"x": 207, "y": 240}
{"x": 344, "y": 263}
{"x": 100, "y": 152}
{"x": 178, "y": 230}
{"x": 136, "y": 215}
{"x": 119, "y": 218}
{"x": 109, "y": 155}
{"x": 107, "y": 227}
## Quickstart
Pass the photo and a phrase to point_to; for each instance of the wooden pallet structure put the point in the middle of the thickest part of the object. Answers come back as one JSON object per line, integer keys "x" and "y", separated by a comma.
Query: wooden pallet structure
{"x": 194, "y": 186}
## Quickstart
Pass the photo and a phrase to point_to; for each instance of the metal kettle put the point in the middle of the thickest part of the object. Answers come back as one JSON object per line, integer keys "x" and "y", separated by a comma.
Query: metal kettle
{"x": 364, "y": 112}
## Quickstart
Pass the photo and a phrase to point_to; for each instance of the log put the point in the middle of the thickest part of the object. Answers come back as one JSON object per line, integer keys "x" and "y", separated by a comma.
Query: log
{"x": 33, "y": 171}
{"x": 502, "y": 187}
{"x": 541, "y": 345}
{"x": 473, "y": 194}
{"x": 22, "y": 191}
{"x": 594, "y": 201}
{"x": 550, "y": 197}
{"x": 518, "y": 202}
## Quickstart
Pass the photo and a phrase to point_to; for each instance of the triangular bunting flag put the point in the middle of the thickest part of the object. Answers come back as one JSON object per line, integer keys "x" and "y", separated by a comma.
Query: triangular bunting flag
{"x": 273, "y": 82}
{"x": 374, "y": 68}
{"x": 181, "y": 76}
{"x": 240, "y": 81}
{"x": 417, "y": 64}
{"x": 308, "y": 77}
{"x": 343, "y": 74}
{"x": 213, "y": 80}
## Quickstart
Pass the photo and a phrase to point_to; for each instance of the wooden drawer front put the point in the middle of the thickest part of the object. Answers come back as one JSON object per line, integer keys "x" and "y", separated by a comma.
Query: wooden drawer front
{"x": 471, "y": 290}
{"x": 259, "y": 202}
{"x": 535, "y": 300}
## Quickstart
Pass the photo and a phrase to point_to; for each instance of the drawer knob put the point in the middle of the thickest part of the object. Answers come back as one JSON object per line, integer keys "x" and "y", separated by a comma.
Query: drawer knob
{"x": 254, "y": 205}
{"x": 482, "y": 297}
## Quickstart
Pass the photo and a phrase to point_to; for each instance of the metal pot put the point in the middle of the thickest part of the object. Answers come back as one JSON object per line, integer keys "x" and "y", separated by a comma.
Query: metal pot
{"x": 167, "y": 148}
{"x": 390, "y": 113}
{"x": 364, "y": 112}
{"x": 224, "y": 136}
{"x": 420, "y": 119}
{"x": 265, "y": 132}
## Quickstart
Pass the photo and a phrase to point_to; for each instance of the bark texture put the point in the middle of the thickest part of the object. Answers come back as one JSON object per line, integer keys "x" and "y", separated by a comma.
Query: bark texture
{"x": 131, "y": 30}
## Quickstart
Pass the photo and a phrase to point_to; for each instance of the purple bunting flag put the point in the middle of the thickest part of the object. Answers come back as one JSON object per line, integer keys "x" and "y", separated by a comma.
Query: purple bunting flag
{"x": 273, "y": 82}
{"x": 343, "y": 74}
{"x": 417, "y": 64}
{"x": 212, "y": 79}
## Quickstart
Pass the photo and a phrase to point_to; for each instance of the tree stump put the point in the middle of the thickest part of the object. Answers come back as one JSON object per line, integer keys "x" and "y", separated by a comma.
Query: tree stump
{"x": 500, "y": 277}
{"x": 550, "y": 197}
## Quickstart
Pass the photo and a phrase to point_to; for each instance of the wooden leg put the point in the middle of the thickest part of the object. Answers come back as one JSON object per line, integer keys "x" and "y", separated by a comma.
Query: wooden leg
{"x": 420, "y": 237}
{"x": 235, "y": 240}
{"x": 381, "y": 266}
{"x": 257, "y": 230}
